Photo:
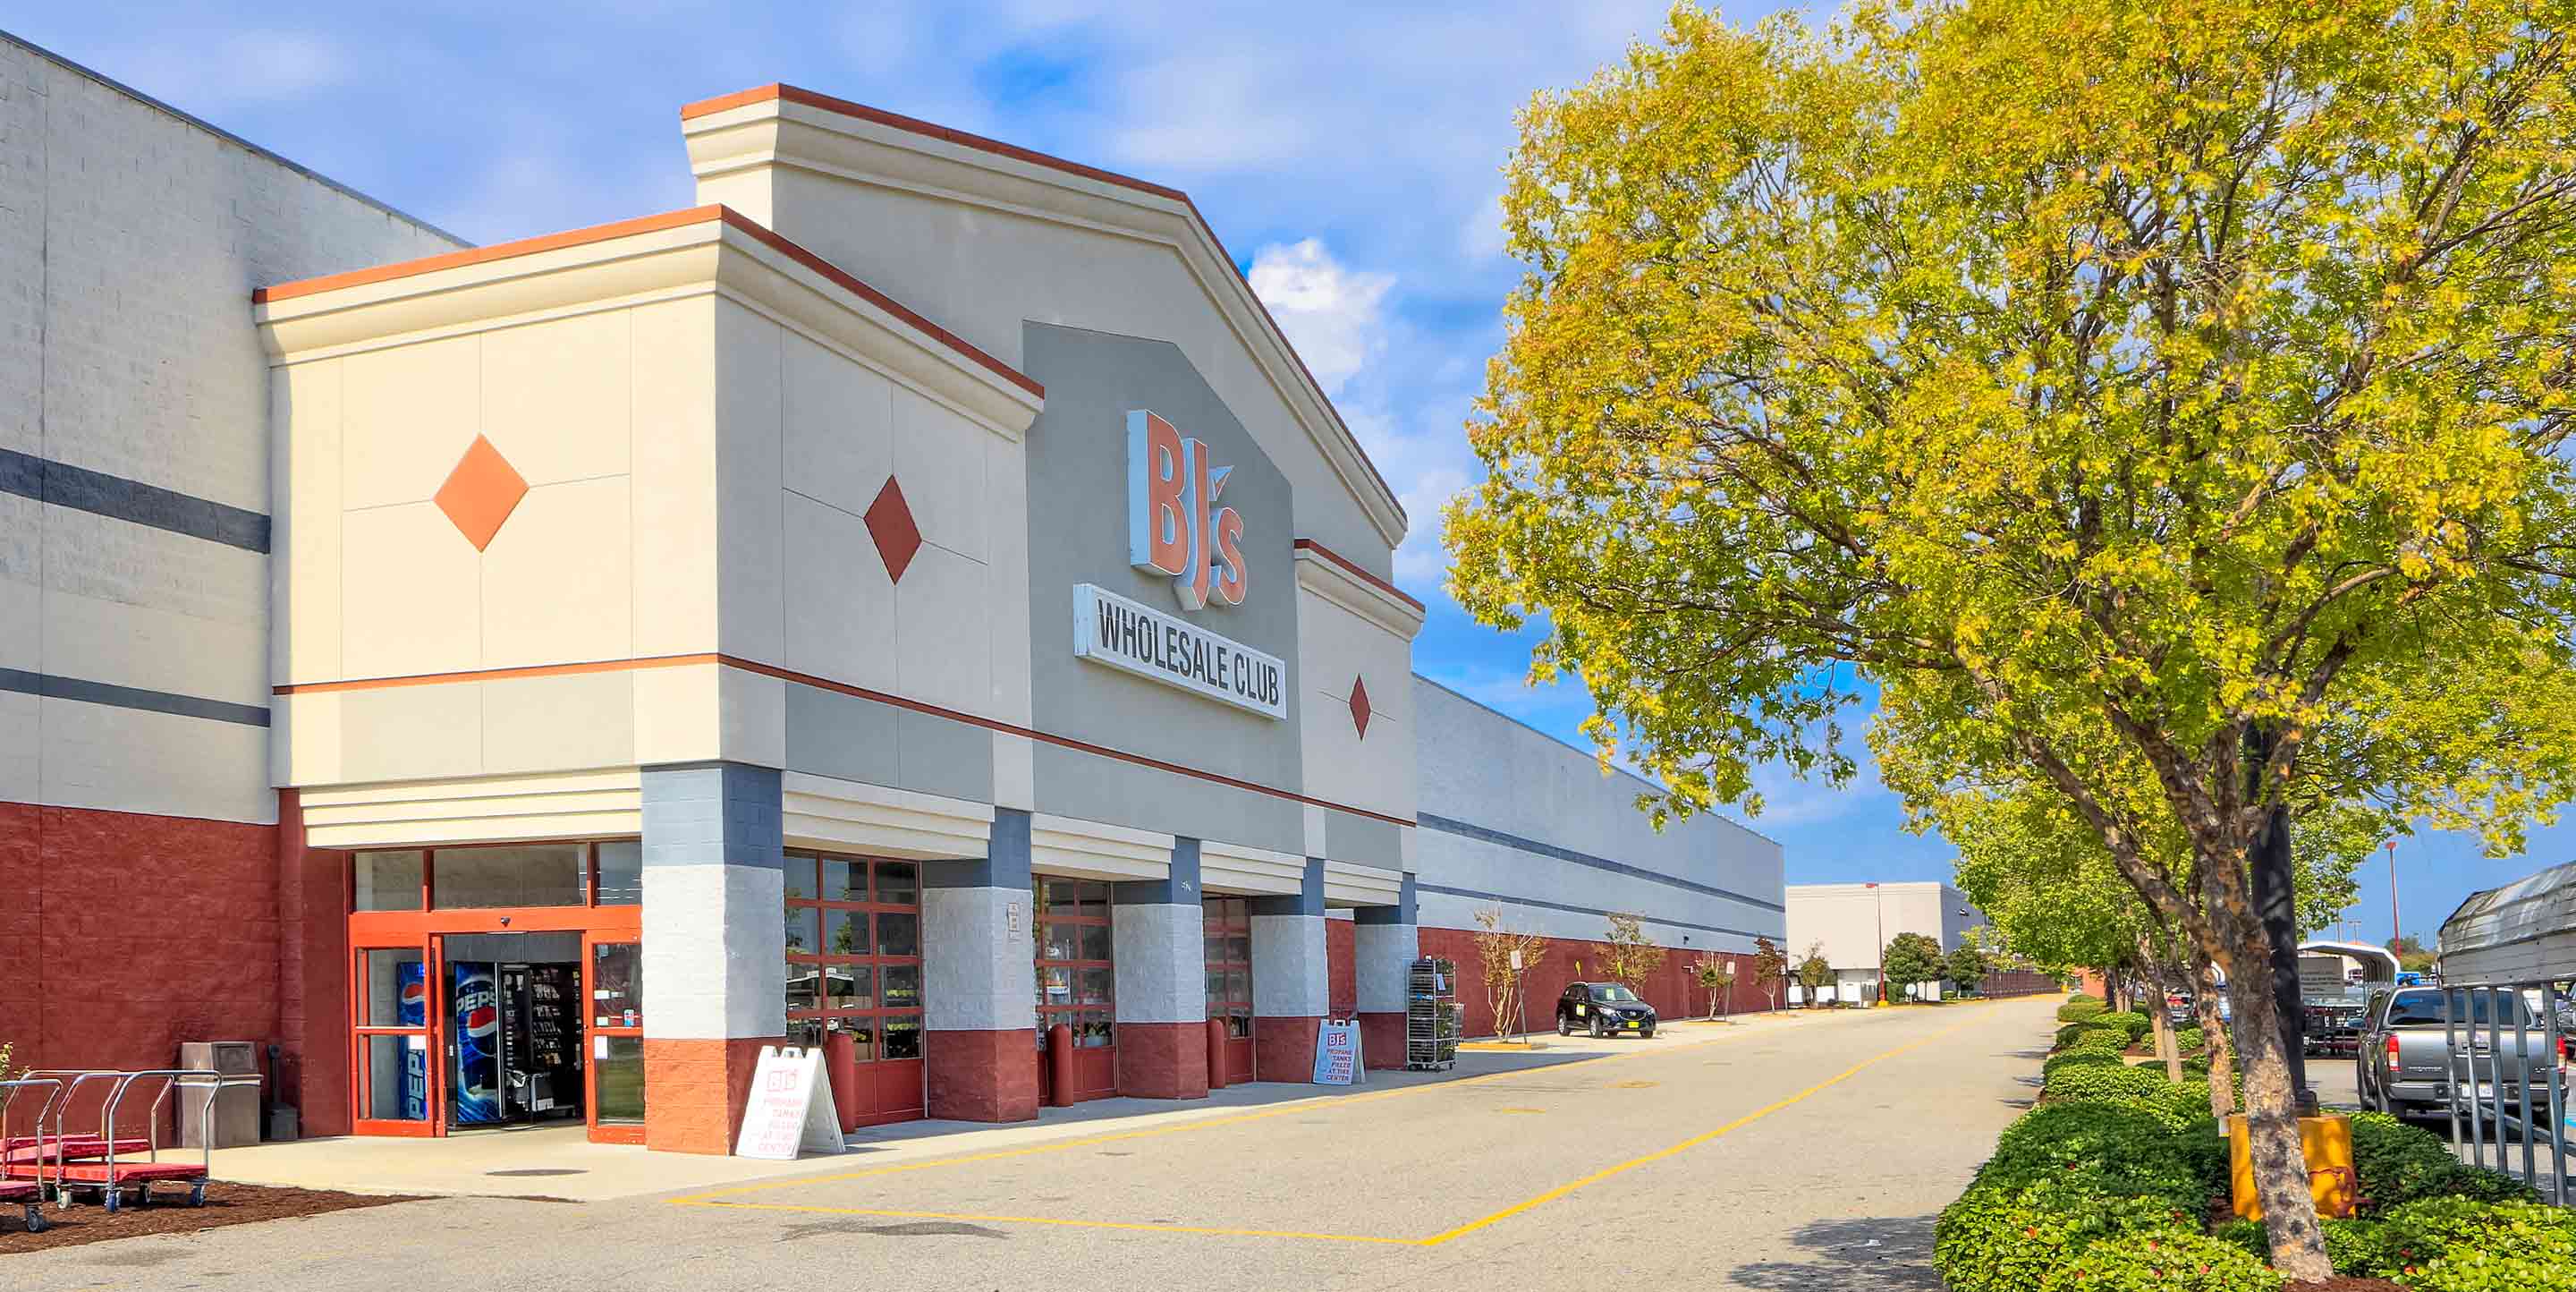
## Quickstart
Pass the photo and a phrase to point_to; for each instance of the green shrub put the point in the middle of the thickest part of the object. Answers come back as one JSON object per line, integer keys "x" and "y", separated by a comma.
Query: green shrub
{"x": 2358, "y": 1248}
{"x": 2191, "y": 1040}
{"x": 2119, "y": 1148}
{"x": 2081, "y": 1007}
{"x": 2066, "y": 1035}
{"x": 2180, "y": 1103}
{"x": 2106, "y": 1081}
{"x": 2109, "y": 1040}
{"x": 2075, "y": 1059}
{"x": 2398, "y": 1164}
{"x": 2134, "y": 1023}
{"x": 1997, "y": 1238}
{"x": 2249, "y": 1236}
{"x": 2161, "y": 1262}
{"x": 2462, "y": 1245}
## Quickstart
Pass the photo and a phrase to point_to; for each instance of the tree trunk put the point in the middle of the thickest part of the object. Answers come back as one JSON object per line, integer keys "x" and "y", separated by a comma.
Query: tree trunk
{"x": 2280, "y": 1163}
{"x": 2221, "y": 1052}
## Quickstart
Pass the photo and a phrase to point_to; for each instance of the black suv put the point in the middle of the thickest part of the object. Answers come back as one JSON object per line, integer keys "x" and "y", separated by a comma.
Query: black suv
{"x": 1604, "y": 1009}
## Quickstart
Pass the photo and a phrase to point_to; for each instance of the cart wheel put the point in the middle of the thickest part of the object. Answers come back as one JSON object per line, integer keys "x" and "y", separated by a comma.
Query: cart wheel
{"x": 109, "y": 1195}
{"x": 197, "y": 1194}
{"x": 36, "y": 1222}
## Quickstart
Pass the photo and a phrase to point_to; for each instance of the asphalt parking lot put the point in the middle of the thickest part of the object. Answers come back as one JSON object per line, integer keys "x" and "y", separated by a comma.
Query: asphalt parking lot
{"x": 1808, "y": 1153}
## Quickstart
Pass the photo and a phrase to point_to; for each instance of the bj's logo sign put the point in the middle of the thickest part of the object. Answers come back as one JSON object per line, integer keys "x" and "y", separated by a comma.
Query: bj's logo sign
{"x": 1174, "y": 525}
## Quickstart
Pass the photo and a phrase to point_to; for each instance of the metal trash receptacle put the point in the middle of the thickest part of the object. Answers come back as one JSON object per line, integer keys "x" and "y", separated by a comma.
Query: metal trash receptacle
{"x": 235, "y": 1109}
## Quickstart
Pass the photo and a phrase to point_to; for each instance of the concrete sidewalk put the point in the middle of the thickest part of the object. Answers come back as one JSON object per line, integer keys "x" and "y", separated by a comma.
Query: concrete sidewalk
{"x": 560, "y": 1162}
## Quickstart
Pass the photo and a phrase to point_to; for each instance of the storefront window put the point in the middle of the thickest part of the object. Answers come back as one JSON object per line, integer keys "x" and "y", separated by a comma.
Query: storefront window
{"x": 528, "y": 875}
{"x": 1074, "y": 978}
{"x": 1229, "y": 964}
{"x": 854, "y": 955}
{"x": 621, "y": 873}
{"x": 387, "y": 881}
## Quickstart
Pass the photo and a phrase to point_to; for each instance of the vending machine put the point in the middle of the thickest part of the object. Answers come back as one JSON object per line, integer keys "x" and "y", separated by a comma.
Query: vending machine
{"x": 411, "y": 1009}
{"x": 540, "y": 1041}
{"x": 474, "y": 1022}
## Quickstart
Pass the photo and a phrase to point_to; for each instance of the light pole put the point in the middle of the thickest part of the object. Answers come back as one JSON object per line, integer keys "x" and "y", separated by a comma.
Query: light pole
{"x": 2395, "y": 929}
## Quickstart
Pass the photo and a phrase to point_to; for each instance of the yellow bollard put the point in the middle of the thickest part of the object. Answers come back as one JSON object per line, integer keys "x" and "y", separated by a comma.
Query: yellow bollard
{"x": 2327, "y": 1143}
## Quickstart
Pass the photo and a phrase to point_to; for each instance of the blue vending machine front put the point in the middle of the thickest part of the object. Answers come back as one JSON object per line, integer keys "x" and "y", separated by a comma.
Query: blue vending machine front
{"x": 475, "y": 1015}
{"x": 411, "y": 1005}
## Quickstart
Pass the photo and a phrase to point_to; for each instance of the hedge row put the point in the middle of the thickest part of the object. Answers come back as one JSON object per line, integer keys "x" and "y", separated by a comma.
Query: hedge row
{"x": 2105, "y": 1187}
{"x": 2079, "y": 1008}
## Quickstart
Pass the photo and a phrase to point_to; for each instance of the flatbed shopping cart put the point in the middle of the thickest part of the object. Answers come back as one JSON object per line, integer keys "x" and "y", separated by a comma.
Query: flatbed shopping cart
{"x": 27, "y": 1145}
{"x": 122, "y": 1162}
{"x": 28, "y": 1193}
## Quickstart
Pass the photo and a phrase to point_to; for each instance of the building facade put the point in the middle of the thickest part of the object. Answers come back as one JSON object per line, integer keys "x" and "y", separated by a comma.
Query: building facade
{"x": 1851, "y": 925}
{"x": 914, "y": 603}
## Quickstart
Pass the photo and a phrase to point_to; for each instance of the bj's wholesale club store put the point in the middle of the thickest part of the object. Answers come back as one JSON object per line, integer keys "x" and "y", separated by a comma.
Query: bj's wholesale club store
{"x": 913, "y": 604}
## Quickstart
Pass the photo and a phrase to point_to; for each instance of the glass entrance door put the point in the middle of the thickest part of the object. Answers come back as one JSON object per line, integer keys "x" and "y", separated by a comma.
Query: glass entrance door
{"x": 614, "y": 1034}
{"x": 398, "y": 1086}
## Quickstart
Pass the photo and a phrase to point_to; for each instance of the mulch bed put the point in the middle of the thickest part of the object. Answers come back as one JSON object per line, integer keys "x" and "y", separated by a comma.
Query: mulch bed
{"x": 226, "y": 1204}
{"x": 2343, "y": 1283}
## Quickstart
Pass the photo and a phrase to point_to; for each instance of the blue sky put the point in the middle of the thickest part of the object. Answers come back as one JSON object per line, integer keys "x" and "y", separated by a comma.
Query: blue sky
{"x": 1349, "y": 153}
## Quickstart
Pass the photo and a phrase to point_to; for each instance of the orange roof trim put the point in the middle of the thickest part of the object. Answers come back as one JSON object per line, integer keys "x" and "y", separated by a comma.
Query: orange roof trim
{"x": 652, "y": 224}
{"x": 782, "y": 93}
{"x": 1353, "y": 569}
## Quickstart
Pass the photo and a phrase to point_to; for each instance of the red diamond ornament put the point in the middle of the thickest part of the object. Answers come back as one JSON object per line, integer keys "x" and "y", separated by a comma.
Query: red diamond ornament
{"x": 1360, "y": 706}
{"x": 890, "y": 523}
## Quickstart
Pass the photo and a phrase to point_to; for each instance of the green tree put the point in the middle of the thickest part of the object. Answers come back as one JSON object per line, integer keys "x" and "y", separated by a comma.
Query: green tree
{"x": 1814, "y": 971}
{"x": 1965, "y": 966}
{"x": 1717, "y": 978}
{"x": 2411, "y": 955}
{"x": 1909, "y": 958}
{"x": 2159, "y": 406}
{"x": 1629, "y": 956}
{"x": 1770, "y": 969}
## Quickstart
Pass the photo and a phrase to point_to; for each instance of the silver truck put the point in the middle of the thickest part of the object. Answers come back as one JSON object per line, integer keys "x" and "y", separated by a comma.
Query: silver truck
{"x": 2407, "y": 1045}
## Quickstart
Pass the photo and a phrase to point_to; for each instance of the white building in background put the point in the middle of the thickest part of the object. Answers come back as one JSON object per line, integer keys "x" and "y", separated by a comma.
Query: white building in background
{"x": 1853, "y": 923}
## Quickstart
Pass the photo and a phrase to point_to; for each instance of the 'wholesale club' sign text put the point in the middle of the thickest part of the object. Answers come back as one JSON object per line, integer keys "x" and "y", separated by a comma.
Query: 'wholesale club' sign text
{"x": 1176, "y": 528}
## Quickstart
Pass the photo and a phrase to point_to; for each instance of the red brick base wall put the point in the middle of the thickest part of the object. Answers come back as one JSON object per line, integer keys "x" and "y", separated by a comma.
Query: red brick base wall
{"x": 1163, "y": 1060}
{"x": 124, "y": 934}
{"x": 1382, "y": 1040}
{"x": 1283, "y": 1048}
{"x": 694, "y": 1091}
{"x": 1341, "y": 968}
{"x": 1671, "y": 990}
{"x": 982, "y": 1076}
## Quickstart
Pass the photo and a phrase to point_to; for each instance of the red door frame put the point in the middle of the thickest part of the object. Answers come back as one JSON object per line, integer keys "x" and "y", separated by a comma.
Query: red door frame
{"x": 877, "y": 1090}
{"x": 425, "y": 927}
{"x": 598, "y": 1028}
{"x": 1095, "y": 1068}
{"x": 426, "y": 1036}
{"x": 1228, "y": 918}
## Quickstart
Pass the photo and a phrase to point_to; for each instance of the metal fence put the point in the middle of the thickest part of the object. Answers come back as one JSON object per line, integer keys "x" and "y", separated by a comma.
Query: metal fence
{"x": 2514, "y": 1099}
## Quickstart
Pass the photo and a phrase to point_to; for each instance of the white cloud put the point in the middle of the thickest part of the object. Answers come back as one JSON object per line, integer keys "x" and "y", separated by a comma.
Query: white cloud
{"x": 1333, "y": 314}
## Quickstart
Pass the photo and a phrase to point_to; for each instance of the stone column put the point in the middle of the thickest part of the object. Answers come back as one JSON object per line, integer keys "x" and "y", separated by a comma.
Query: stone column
{"x": 1158, "y": 938}
{"x": 1385, "y": 944}
{"x": 979, "y": 979}
{"x": 1291, "y": 979}
{"x": 715, "y": 945}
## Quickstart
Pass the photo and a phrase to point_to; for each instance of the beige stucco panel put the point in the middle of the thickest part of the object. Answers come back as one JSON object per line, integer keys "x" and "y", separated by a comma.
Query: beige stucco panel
{"x": 555, "y": 396}
{"x": 1007, "y": 569}
{"x": 750, "y": 535}
{"x": 835, "y": 414}
{"x": 1334, "y": 648}
{"x": 544, "y": 724}
{"x": 556, "y": 579}
{"x": 304, "y": 532}
{"x": 840, "y": 606}
{"x": 407, "y": 415}
{"x": 411, "y": 732}
{"x": 943, "y": 653}
{"x": 410, "y": 593}
{"x": 674, "y": 456}
{"x": 939, "y": 460}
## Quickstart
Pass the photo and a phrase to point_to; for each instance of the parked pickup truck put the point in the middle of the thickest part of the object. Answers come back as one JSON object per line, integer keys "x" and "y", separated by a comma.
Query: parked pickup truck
{"x": 2406, "y": 1044}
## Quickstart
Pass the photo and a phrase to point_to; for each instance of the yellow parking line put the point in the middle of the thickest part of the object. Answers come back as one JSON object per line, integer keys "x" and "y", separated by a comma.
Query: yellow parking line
{"x": 1209, "y": 1123}
{"x": 1685, "y": 1146}
{"x": 1072, "y": 1224}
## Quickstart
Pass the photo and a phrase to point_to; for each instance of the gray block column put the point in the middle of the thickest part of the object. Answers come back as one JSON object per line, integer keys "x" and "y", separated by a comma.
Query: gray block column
{"x": 1384, "y": 944}
{"x": 979, "y": 979}
{"x": 715, "y": 942}
{"x": 1291, "y": 979}
{"x": 1158, "y": 949}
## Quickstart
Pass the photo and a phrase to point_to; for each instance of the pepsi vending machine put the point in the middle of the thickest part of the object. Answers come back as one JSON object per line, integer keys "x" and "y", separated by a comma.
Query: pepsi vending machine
{"x": 474, "y": 999}
{"x": 411, "y": 1009}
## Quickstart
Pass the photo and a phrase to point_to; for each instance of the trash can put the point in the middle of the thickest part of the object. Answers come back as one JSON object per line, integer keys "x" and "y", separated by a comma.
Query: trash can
{"x": 233, "y": 1118}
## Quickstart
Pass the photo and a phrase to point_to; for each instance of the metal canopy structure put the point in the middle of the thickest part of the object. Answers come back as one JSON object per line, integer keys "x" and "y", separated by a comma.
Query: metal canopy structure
{"x": 2523, "y": 930}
